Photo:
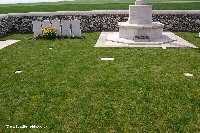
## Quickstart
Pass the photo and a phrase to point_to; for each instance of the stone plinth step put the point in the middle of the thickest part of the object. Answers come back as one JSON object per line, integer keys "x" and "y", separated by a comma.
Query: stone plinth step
{"x": 114, "y": 37}
{"x": 129, "y": 31}
{"x": 169, "y": 39}
{"x": 152, "y": 25}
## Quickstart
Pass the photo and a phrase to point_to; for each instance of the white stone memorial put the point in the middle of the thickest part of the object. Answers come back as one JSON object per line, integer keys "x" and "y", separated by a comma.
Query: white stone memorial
{"x": 37, "y": 29}
{"x": 141, "y": 31}
{"x": 140, "y": 23}
{"x": 66, "y": 28}
{"x": 46, "y": 23}
{"x": 76, "y": 30}
{"x": 56, "y": 25}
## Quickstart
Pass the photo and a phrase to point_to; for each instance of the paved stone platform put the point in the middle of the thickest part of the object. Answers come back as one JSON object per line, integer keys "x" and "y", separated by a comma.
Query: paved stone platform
{"x": 111, "y": 39}
{"x": 6, "y": 43}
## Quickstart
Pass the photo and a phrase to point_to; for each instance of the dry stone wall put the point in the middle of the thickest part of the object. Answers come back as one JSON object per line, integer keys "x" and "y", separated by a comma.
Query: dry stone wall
{"x": 4, "y": 25}
{"x": 187, "y": 20}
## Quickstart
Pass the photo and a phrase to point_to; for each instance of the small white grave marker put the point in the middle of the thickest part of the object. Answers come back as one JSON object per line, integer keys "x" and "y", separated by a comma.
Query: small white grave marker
{"x": 50, "y": 47}
{"x": 107, "y": 59}
{"x": 164, "y": 47}
{"x": 18, "y": 71}
{"x": 188, "y": 74}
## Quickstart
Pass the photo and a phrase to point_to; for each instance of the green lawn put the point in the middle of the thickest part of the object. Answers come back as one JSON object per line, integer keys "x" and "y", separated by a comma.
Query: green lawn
{"x": 79, "y": 6}
{"x": 69, "y": 89}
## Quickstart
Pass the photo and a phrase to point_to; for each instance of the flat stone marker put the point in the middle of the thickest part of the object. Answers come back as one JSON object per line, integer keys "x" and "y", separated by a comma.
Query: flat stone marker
{"x": 76, "y": 30}
{"x": 107, "y": 59}
{"x": 188, "y": 74}
{"x": 66, "y": 28}
{"x": 37, "y": 28}
{"x": 56, "y": 25}
{"x": 18, "y": 71}
{"x": 164, "y": 47}
{"x": 46, "y": 23}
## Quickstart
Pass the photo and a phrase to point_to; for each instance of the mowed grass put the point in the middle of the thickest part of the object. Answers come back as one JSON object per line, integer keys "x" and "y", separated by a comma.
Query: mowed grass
{"x": 69, "y": 89}
{"x": 81, "y": 6}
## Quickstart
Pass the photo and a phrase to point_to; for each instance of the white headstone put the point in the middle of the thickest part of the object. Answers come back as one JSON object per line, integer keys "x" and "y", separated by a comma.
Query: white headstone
{"x": 37, "y": 29}
{"x": 56, "y": 25}
{"x": 76, "y": 30}
{"x": 46, "y": 23}
{"x": 199, "y": 34}
{"x": 66, "y": 30}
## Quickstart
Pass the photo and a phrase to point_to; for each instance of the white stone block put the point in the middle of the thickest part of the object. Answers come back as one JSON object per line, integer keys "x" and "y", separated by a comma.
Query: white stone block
{"x": 107, "y": 59}
{"x": 140, "y": 2}
{"x": 130, "y": 33}
{"x": 66, "y": 28}
{"x": 46, "y": 23}
{"x": 199, "y": 34}
{"x": 151, "y": 33}
{"x": 76, "y": 28}
{"x": 143, "y": 32}
{"x": 122, "y": 32}
{"x": 37, "y": 29}
{"x": 56, "y": 25}
{"x": 140, "y": 14}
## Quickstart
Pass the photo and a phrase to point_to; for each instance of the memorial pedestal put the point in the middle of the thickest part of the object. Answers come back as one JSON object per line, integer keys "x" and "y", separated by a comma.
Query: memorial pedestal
{"x": 129, "y": 31}
{"x": 140, "y": 31}
{"x": 140, "y": 24}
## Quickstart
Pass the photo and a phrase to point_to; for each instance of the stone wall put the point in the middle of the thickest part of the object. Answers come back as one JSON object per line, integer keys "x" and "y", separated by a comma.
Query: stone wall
{"x": 4, "y": 25}
{"x": 177, "y": 20}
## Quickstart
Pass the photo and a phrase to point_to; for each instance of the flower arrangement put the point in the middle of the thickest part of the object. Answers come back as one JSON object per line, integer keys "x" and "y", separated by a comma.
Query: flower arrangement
{"x": 49, "y": 32}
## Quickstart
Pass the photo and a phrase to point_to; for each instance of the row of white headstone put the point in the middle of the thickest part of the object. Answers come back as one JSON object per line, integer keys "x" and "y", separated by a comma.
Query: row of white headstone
{"x": 63, "y": 28}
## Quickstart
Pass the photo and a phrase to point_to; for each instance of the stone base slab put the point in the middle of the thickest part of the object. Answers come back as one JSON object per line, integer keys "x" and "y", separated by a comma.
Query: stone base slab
{"x": 6, "y": 43}
{"x": 169, "y": 39}
{"x": 114, "y": 37}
